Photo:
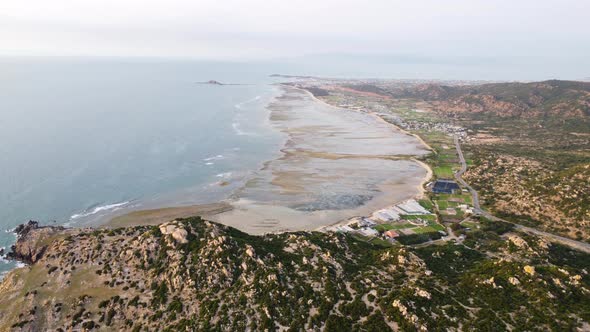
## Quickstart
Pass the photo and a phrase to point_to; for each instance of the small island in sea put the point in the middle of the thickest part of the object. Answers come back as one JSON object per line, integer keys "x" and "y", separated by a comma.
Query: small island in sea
{"x": 214, "y": 82}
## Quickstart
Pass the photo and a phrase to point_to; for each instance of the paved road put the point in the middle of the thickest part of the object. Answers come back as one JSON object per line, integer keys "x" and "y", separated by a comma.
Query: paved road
{"x": 582, "y": 246}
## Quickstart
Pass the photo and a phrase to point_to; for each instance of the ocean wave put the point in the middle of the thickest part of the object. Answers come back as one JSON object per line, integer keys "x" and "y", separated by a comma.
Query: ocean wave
{"x": 237, "y": 130}
{"x": 217, "y": 157}
{"x": 98, "y": 209}
{"x": 224, "y": 175}
{"x": 209, "y": 163}
{"x": 239, "y": 105}
{"x": 236, "y": 126}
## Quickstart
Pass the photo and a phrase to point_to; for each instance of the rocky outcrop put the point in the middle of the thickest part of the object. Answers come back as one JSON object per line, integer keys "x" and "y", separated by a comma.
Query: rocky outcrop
{"x": 177, "y": 231}
{"x": 32, "y": 241}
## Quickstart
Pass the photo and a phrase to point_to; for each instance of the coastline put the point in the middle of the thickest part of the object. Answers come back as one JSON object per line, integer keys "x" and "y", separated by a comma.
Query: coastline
{"x": 159, "y": 215}
{"x": 427, "y": 167}
{"x": 259, "y": 207}
{"x": 376, "y": 115}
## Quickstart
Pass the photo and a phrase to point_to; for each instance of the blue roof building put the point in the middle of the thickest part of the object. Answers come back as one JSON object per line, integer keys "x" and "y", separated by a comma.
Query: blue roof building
{"x": 445, "y": 187}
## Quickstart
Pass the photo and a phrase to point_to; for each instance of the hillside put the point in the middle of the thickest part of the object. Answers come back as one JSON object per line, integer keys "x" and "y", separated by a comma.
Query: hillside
{"x": 566, "y": 99}
{"x": 196, "y": 275}
{"x": 528, "y": 144}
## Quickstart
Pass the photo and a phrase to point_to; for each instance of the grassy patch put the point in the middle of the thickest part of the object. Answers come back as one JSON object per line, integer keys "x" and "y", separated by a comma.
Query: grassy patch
{"x": 438, "y": 227}
{"x": 443, "y": 172}
{"x": 386, "y": 227}
{"x": 470, "y": 224}
{"x": 425, "y": 229}
{"x": 429, "y": 217}
{"x": 380, "y": 242}
{"x": 427, "y": 204}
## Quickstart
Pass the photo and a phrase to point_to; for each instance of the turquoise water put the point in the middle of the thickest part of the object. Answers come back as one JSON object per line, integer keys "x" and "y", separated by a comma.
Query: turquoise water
{"x": 80, "y": 139}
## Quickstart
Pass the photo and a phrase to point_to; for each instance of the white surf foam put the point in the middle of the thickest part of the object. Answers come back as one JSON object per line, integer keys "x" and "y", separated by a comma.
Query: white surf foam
{"x": 240, "y": 105}
{"x": 98, "y": 209}
{"x": 236, "y": 126}
{"x": 237, "y": 130}
{"x": 217, "y": 157}
{"x": 224, "y": 175}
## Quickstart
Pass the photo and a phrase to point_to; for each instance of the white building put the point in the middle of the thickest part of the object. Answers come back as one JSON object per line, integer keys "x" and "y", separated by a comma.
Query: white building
{"x": 382, "y": 215}
{"x": 369, "y": 232}
{"x": 412, "y": 207}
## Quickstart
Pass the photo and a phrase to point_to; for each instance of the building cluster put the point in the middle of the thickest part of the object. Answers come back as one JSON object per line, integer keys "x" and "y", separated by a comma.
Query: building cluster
{"x": 366, "y": 225}
{"x": 411, "y": 125}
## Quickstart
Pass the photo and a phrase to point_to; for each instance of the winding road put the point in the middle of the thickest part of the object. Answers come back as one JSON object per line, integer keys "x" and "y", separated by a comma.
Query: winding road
{"x": 579, "y": 245}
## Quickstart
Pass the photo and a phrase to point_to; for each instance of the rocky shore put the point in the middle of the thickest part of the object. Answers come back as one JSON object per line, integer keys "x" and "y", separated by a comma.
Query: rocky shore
{"x": 32, "y": 241}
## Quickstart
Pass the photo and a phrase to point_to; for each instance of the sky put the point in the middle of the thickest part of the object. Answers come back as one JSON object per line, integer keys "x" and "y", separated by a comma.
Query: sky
{"x": 263, "y": 29}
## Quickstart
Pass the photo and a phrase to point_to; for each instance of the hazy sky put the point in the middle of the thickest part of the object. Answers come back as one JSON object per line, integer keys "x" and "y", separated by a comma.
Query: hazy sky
{"x": 235, "y": 29}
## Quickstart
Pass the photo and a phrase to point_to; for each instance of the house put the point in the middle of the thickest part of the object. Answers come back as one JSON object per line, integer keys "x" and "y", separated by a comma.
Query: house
{"x": 391, "y": 234}
{"x": 445, "y": 187}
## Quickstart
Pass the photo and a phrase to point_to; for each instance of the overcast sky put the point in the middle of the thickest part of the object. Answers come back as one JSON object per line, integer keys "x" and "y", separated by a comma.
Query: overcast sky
{"x": 239, "y": 29}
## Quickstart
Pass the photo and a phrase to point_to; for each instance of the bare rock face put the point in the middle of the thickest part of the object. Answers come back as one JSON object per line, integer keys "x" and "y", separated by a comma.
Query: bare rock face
{"x": 30, "y": 246}
{"x": 178, "y": 233}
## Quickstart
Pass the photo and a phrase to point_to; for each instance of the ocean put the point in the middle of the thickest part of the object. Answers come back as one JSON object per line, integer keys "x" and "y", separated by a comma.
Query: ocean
{"x": 82, "y": 138}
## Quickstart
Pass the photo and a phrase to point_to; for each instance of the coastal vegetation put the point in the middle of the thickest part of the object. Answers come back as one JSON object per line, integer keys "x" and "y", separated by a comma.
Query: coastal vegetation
{"x": 198, "y": 275}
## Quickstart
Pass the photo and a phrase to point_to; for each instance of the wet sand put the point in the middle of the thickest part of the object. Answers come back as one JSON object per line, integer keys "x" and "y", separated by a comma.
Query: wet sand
{"x": 158, "y": 216}
{"x": 335, "y": 164}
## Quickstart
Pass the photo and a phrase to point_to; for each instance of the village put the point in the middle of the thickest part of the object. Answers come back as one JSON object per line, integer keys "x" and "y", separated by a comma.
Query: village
{"x": 412, "y": 221}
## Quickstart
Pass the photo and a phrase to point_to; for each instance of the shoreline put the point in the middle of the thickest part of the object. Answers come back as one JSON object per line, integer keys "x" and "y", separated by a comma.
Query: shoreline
{"x": 158, "y": 215}
{"x": 376, "y": 115}
{"x": 260, "y": 217}
{"x": 429, "y": 172}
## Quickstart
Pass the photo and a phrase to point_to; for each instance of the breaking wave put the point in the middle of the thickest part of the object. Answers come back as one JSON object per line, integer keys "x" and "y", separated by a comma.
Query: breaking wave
{"x": 217, "y": 157}
{"x": 239, "y": 105}
{"x": 98, "y": 209}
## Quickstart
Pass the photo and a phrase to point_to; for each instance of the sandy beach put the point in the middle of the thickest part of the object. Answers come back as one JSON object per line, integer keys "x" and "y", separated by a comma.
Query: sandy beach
{"x": 336, "y": 164}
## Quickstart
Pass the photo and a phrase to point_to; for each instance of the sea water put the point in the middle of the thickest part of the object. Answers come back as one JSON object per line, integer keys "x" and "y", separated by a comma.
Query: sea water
{"x": 82, "y": 138}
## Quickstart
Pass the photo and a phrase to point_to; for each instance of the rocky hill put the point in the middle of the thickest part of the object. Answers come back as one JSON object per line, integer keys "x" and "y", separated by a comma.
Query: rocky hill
{"x": 565, "y": 99}
{"x": 528, "y": 144}
{"x": 192, "y": 274}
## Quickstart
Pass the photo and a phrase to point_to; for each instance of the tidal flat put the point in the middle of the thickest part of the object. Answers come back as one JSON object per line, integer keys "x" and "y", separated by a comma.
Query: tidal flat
{"x": 335, "y": 164}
